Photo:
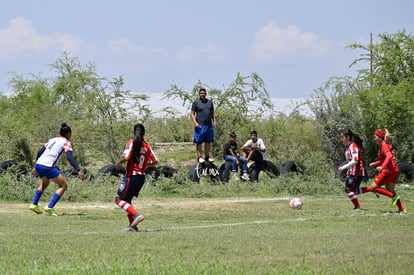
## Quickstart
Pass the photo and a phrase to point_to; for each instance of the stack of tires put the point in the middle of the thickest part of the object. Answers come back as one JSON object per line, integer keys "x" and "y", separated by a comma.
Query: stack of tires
{"x": 13, "y": 166}
{"x": 155, "y": 172}
{"x": 254, "y": 170}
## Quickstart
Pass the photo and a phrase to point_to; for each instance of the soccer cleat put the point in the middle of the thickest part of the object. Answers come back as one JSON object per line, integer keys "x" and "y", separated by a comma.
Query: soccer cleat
{"x": 35, "y": 208}
{"x": 131, "y": 229}
{"x": 50, "y": 211}
{"x": 200, "y": 160}
{"x": 394, "y": 200}
{"x": 357, "y": 209}
{"x": 402, "y": 211}
{"x": 138, "y": 218}
{"x": 245, "y": 176}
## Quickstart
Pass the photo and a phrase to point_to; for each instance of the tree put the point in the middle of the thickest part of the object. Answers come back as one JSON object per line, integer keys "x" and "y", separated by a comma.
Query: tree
{"x": 387, "y": 100}
{"x": 96, "y": 107}
{"x": 381, "y": 99}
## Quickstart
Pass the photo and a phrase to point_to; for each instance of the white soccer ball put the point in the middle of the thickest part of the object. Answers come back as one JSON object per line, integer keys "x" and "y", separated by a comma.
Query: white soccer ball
{"x": 296, "y": 203}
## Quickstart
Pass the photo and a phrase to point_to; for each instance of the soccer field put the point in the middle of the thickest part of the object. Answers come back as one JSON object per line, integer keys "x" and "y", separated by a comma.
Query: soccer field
{"x": 211, "y": 236}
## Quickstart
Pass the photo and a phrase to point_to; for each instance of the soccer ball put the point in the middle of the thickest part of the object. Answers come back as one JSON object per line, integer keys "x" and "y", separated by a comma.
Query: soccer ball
{"x": 296, "y": 203}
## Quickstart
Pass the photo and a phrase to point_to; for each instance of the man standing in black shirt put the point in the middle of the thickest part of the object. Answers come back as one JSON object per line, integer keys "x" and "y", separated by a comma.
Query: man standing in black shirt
{"x": 204, "y": 119}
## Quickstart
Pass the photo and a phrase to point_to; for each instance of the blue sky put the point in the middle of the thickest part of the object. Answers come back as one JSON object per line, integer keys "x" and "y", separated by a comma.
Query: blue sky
{"x": 295, "y": 46}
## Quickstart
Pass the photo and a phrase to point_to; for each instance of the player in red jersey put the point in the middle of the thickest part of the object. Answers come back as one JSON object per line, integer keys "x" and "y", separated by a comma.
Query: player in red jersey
{"x": 388, "y": 168}
{"x": 387, "y": 176}
{"x": 138, "y": 155}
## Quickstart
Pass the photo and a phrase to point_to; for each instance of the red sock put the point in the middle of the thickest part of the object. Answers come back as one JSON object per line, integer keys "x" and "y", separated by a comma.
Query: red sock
{"x": 127, "y": 207}
{"x": 400, "y": 205}
{"x": 131, "y": 218}
{"x": 353, "y": 197}
{"x": 383, "y": 192}
{"x": 364, "y": 190}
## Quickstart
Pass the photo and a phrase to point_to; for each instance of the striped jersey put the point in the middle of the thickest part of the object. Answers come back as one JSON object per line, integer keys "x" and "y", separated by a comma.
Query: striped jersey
{"x": 353, "y": 153}
{"x": 54, "y": 148}
{"x": 147, "y": 155}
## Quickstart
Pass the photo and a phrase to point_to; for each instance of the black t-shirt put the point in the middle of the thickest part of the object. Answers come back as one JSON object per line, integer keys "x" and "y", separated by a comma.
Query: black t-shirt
{"x": 204, "y": 111}
{"x": 227, "y": 146}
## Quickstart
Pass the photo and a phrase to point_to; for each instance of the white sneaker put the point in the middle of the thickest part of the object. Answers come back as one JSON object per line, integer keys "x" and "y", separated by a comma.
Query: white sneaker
{"x": 209, "y": 159}
{"x": 138, "y": 218}
{"x": 200, "y": 160}
{"x": 245, "y": 176}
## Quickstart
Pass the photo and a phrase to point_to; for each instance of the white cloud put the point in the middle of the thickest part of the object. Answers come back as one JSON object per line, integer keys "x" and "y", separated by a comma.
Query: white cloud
{"x": 211, "y": 50}
{"x": 123, "y": 46}
{"x": 273, "y": 43}
{"x": 21, "y": 36}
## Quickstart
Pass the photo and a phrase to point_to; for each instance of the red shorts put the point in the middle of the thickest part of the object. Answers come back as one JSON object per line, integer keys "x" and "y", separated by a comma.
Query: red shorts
{"x": 385, "y": 177}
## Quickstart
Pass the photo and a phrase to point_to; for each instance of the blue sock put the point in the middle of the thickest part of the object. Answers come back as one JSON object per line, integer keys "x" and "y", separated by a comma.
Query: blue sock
{"x": 36, "y": 197}
{"x": 54, "y": 200}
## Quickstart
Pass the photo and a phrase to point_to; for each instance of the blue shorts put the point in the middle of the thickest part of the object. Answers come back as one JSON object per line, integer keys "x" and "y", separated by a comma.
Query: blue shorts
{"x": 204, "y": 133}
{"x": 45, "y": 171}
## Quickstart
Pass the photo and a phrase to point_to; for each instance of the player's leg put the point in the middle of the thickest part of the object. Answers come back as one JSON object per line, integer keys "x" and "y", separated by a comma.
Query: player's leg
{"x": 352, "y": 183}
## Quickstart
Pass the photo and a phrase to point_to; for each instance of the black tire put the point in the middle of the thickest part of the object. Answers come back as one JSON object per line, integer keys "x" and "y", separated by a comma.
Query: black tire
{"x": 167, "y": 171}
{"x": 224, "y": 171}
{"x": 13, "y": 167}
{"x": 110, "y": 170}
{"x": 406, "y": 172}
{"x": 254, "y": 171}
{"x": 291, "y": 167}
{"x": 4, "y": 165}
{"x": 153, "y": 172}
{"x": 204, "y": 169}
{"x": 193, "y": 174}
{"x": 270, "y": 169}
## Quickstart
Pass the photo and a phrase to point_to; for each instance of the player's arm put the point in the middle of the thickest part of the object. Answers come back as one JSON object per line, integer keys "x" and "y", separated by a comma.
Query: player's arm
{"x": 153, "y": 160}
{"x": 232, "y": 153}
{"x": 388, "y": 157}
{"x": 38, "y": 154}
{"x": 349, "y": 164}
{"x": 74, "y": 164}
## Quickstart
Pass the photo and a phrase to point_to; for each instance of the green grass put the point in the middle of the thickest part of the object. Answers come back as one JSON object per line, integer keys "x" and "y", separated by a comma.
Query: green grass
{"x": 249, "y": 235}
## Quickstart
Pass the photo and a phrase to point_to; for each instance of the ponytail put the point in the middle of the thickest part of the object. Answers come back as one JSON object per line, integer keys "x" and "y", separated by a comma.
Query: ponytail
{"x": 353, "y": 137}
{"x": 139, "y": 132}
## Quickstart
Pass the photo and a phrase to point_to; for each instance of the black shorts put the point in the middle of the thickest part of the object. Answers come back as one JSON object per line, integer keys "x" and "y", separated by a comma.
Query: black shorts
{"x": 353, "y": 182}
{"x": 130, "y": 187}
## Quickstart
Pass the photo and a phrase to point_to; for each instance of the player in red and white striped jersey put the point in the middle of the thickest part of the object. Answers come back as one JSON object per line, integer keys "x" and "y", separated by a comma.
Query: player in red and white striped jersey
{"x": 138, "y": 155}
